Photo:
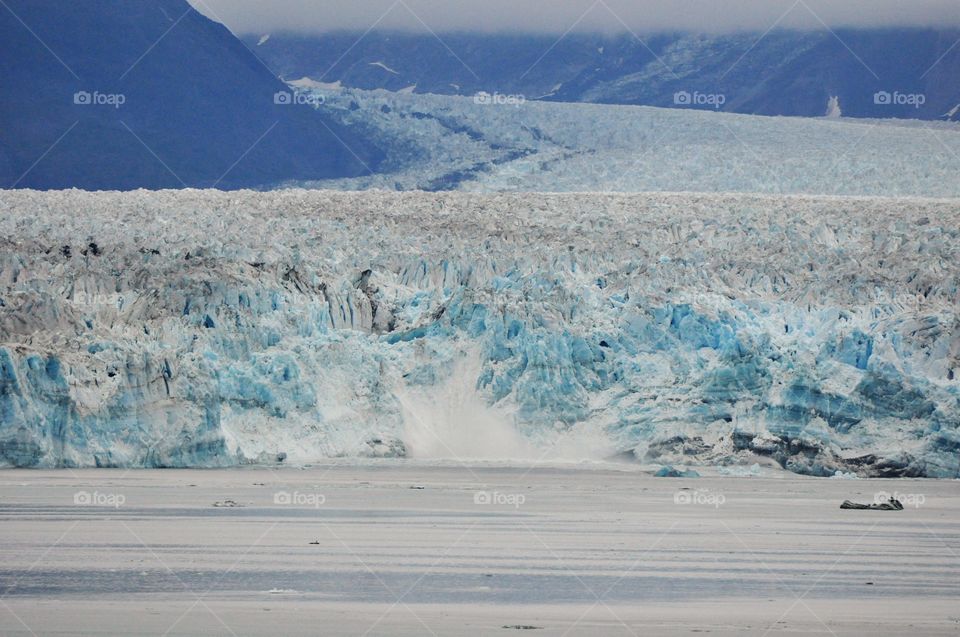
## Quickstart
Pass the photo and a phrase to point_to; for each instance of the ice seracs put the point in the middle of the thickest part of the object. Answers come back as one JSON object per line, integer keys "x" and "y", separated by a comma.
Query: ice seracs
{"x": 215, "y": 328}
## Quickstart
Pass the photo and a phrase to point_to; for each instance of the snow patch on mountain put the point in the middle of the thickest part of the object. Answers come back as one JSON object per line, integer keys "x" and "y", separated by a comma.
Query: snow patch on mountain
{"x": 310, "y": 84}
{"x": 384, "y": 67}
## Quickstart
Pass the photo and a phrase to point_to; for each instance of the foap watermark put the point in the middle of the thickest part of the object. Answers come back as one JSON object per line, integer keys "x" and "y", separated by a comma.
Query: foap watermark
{"x": 696, "y": 496}
{"x": 98, "y": 298}
{"x": 96, "y": 98}
{"x": 299, "y": 499}
{"x": 896, "y": 98}
{"x": 285, "y": 98}
{"x": 915, "y": 500}
{"x": 499, "y": 99}
{"x": 495, "y": 498}
{"x": 686, "y": 98}
{"x": 97, "y": 499}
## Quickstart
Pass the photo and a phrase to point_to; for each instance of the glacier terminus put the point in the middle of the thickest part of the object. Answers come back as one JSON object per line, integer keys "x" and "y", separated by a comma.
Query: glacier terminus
{"x": 206, "y": 329}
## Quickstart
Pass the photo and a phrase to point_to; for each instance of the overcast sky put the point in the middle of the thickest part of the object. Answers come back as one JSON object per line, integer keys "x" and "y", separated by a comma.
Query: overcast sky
{"x": 557, "y": 16}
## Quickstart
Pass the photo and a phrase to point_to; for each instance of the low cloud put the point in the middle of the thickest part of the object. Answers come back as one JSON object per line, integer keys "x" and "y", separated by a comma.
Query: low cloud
{"x": 560, "y": 16}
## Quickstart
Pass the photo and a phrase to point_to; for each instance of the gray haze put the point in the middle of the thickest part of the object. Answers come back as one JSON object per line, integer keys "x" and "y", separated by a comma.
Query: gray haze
{"x": 559, "y": 16}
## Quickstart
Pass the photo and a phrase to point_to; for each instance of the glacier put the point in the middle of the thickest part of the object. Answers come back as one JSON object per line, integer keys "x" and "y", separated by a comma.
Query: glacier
{"x": 206, "y": 328}
{"x": 439, "y": 142}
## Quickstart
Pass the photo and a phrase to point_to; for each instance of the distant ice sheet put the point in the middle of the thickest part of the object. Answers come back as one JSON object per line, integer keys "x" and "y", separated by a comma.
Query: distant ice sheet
{"x": 514, "y": 143}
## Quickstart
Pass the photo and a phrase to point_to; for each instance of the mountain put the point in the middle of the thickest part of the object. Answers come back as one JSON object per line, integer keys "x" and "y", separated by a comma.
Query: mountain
{"x": 123, "y": 94}
{"x": 877, "y": 73}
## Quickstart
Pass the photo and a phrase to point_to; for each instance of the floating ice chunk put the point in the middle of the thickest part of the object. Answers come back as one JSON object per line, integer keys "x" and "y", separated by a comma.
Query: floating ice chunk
{"x": 670, "y": 472}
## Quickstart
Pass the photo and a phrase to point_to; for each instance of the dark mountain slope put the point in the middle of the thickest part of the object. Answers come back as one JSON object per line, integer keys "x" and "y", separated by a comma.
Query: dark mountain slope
{"x": 181, "y": 102}
{"x": 781, "y": 73}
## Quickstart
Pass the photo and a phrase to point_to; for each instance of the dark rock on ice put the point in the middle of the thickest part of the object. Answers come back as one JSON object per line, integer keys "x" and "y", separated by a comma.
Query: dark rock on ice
{"x": 890, "y": 505}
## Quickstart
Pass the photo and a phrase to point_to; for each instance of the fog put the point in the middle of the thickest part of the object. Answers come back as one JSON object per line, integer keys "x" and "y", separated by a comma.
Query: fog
{"x": 562, "y": 16}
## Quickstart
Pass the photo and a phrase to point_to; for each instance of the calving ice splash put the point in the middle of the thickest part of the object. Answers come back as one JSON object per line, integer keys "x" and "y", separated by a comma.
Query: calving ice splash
{"x": 815, "y": 334}
{"x": 455, "y": 420}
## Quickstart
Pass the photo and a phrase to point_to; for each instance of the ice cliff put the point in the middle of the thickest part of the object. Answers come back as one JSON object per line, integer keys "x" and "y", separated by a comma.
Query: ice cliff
{"x": 200, "y": 328}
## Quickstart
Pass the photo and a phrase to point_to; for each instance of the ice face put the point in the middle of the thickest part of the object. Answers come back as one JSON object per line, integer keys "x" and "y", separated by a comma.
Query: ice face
{"x": 201, "y": 328}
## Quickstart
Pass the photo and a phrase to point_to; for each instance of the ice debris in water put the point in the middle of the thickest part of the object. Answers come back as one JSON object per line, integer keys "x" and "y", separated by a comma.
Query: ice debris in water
{"x": 670, "y": 472}
{"x": 742, "y": 472}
